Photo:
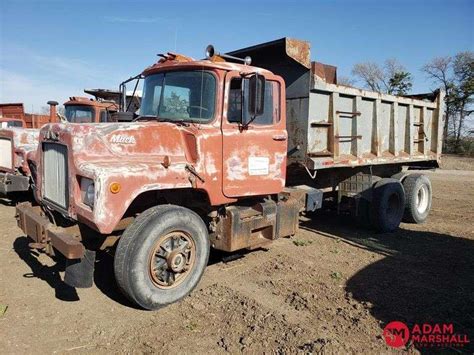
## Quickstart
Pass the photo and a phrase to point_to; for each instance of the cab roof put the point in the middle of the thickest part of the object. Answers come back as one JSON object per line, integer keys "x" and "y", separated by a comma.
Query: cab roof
{"x": 176, "y": 61}
{"x": 86, "y": 101}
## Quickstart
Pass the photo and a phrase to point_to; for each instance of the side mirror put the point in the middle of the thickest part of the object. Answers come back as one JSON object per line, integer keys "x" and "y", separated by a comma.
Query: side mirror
{"x": 256, "y": 91}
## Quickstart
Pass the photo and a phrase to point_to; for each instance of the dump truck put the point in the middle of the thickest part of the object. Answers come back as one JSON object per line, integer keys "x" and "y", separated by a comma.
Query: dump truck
{"x": 226, "y": 155}
{"x": 18, "y": 145}
{"x": 17, "y": 111}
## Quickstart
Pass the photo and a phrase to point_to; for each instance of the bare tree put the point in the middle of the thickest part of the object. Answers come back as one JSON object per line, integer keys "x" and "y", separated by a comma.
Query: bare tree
{"x": 456, "y": 77}
{"x": 371, "y": 74}
{"x": 463, "y": 92}
{"x": 439, "y": 71}
{"x": 346, "y": 81}
{"x": 392, "y": 78}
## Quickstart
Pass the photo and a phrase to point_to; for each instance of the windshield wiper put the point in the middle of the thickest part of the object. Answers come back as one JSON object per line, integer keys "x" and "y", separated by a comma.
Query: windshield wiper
{"x": 179, "y": 122}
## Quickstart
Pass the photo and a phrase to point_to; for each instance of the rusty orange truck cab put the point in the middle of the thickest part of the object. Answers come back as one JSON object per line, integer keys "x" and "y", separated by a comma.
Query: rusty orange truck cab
{"x": 222, "y": 154}
{"x": 18, "y": 145}
{"x": 87, "y": 110}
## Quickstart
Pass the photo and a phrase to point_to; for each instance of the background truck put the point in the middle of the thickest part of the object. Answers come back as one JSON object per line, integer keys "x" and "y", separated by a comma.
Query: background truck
{"x": 17, "y": 111}
{"x": 11, "y": 122}
{"x": 226, "y": 155}
{"x": 18, "y": 145}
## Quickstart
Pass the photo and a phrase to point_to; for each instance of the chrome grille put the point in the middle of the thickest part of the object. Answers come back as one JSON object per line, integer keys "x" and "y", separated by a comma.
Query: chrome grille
{"x": 6, "y": 153}
{"x": 55, "y": 174}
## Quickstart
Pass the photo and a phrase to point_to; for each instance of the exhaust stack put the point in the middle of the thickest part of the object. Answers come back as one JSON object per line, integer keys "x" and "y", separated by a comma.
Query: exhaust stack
{"x": 53, "y": 116}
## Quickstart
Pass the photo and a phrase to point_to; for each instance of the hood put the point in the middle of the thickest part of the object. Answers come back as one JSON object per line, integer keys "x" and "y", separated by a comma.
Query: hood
{"x": 135, "y": 141}
{"x": 21, "y": 136}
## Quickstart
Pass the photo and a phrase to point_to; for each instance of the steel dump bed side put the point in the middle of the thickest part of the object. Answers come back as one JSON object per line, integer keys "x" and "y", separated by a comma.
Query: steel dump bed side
{"x": 344, "y": 126}
{"x": 332, "y": 125}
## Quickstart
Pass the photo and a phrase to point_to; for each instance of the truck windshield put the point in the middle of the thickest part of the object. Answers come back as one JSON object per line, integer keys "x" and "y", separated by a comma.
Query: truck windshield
{"x": 14, "y": 124}
{"x": 79, "y": 114}
{"x": 179, "y": 96}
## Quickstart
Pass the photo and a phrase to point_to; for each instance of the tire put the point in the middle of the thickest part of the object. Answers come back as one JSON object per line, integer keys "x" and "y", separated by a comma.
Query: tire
{"x": 363, "y": 213}
{"x": 418, "y": 197}
{"x": 388, "y": 204}
{"x": 160, "y": 239}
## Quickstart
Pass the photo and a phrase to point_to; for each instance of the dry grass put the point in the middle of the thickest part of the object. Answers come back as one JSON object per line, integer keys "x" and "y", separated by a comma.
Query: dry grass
{"x": 453, "y": 162}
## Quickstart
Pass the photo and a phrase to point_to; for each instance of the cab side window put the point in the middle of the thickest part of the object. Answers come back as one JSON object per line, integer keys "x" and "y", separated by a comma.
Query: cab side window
{"x": 238, "y": 105}
{"x": 234, "y": 111}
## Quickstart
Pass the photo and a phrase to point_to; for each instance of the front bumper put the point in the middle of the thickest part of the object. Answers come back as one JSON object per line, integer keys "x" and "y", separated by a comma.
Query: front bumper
{"x": 46, "y": 235}
{"x": 13, "y": 183}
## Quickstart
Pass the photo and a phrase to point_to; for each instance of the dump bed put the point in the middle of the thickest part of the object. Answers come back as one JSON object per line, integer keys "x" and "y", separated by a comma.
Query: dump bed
{"x": 332, "y": 125}
{"x": 344, "y": 126}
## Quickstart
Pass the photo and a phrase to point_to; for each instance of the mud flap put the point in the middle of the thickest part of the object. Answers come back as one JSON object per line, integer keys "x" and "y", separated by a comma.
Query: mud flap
{"x": 80, "y": 272}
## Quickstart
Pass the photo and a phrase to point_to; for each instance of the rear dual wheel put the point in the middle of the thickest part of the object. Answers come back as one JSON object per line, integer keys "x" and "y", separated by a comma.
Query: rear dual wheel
{"x": 161, "y": 256}
{"x": 393, "y": 202}
{"x": 418, "y": 193}
{"x": 388, "y": 204}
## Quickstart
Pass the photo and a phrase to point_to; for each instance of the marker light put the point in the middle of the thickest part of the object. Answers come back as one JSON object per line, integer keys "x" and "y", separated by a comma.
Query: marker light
{"x": 115, "y": 187}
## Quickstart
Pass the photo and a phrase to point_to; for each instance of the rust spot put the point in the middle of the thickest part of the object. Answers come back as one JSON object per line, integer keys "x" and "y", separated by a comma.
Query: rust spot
{"x": 299, "y": 51}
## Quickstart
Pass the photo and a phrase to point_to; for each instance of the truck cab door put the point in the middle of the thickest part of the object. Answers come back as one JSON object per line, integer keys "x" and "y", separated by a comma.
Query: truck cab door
{"x": 254, "y": 155}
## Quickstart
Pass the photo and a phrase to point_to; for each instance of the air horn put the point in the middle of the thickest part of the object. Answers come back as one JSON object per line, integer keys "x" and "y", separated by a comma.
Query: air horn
{"x": 210, "y": 52}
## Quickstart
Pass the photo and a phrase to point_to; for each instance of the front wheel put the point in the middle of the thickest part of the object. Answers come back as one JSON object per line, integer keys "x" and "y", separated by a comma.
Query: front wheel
{"x": 161, "y": 256}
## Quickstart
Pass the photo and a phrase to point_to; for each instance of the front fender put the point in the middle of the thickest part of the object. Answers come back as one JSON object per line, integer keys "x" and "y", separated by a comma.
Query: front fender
{"x": 134, "y": 179}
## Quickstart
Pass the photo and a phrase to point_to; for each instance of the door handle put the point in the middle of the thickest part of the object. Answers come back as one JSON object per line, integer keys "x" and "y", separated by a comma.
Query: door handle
{"x": 279, "y": 138}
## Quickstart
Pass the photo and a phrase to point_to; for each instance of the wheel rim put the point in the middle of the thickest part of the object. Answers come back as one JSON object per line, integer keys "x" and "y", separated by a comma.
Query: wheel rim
{"x": 422, "y": 199}
{"x": 172, "y": 259}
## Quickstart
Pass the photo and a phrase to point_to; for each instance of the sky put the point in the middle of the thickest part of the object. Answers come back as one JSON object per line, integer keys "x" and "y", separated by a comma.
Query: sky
{"x": 50, "y": 50}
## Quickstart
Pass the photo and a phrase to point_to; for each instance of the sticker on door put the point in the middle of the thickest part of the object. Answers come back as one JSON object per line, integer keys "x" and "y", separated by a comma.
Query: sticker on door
{"x": 258, "y": 165}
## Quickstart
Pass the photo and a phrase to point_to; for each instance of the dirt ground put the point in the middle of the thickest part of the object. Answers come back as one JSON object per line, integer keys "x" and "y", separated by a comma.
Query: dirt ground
{"x": 331, "y": 288}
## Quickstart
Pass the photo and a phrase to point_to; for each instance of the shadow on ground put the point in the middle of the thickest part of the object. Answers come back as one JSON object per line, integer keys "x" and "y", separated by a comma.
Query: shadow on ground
{"x": 13, "y": 198}
{"x": 49, "y": 274}
{"x": 425, "y": 277}
{"x": 104, "y": 278}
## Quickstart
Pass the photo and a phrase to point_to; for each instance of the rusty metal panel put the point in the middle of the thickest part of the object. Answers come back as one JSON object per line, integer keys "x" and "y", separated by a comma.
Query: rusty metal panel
{"x": 36, "y": 121}
{"x": 32, "y": 222}
{"x": 12, "y": 110}
{"x": 246, "y": 227}
{"x": 326, "y": 72}
{"x": 65, "y": 243}
{"x": 296, "y": 111}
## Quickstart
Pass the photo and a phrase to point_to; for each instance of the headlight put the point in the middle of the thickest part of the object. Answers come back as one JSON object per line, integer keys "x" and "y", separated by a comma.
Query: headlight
{"x": 88, "y": 191}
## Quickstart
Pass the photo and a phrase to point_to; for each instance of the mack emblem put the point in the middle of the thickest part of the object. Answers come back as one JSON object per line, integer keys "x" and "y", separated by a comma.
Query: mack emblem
{"x": 120, "y": 138}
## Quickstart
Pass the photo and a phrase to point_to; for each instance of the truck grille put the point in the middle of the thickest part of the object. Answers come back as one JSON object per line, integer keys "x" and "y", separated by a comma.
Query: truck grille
{"x": 55, "y": 174}
{"x": 6, "y": 153}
